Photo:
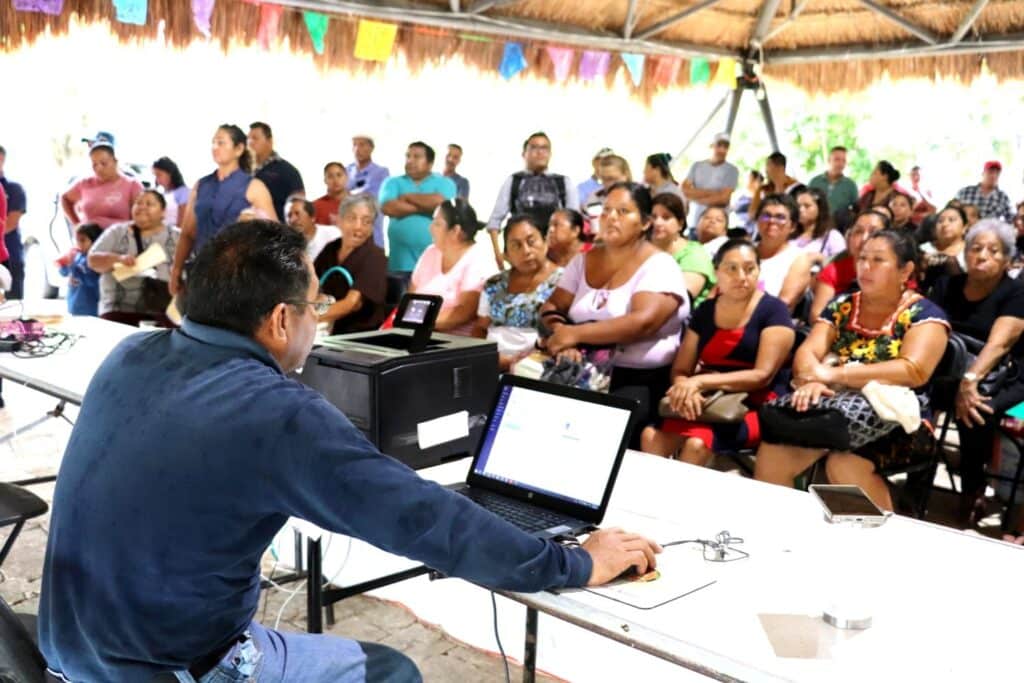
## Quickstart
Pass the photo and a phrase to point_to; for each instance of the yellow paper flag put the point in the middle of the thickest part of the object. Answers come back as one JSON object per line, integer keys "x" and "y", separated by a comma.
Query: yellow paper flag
{"x": 726, "y": 74}
{"x": 375, "y": 40}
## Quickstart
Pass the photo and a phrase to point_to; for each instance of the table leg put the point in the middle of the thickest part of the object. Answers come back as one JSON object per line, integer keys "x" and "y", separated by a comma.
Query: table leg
{"x": 530, "y": 651}
{"x": 55, "y": 413}
{"x": 314, "y": 588}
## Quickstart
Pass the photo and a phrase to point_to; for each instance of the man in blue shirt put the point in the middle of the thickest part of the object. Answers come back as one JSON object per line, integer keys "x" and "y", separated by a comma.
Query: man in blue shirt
{"x": 191, "y": 451}
{"x": 409, "y": 201}
{"x": 364, "y": 175}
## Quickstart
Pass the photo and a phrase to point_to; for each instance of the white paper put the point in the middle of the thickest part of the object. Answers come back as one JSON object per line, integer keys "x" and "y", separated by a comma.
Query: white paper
{"x": 443, "y": 429}
{"x": 152, "y": 257}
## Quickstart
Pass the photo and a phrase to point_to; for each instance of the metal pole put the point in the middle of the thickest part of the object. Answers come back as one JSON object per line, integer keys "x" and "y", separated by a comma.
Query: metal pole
{"x": 766, "y": 114}
{"x": 734, "y": 109}
{"x": 530, "y": 651}
{"x": 314, "y": 586}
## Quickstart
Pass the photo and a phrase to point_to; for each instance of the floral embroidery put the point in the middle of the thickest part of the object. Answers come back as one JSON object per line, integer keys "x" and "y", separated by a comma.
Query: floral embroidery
{"x": 517, "y": 310}
{"x": 855, "y": 343}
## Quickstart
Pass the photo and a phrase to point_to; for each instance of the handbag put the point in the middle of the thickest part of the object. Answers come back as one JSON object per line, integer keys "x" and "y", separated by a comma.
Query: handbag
{"x": 155, "y": 296}
{"x": 593, "y": 371}
{"x": 720, "y": 407}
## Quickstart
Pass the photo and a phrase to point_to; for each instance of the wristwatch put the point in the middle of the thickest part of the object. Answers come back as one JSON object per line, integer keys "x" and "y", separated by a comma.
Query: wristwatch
{"x": 970, "y": 377}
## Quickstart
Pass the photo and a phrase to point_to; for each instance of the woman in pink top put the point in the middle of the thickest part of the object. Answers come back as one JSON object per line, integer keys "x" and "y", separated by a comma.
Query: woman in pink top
{"x": 104, "y": 198}
{"x": 454, "y": 267}
{"x": 624, "y": 292}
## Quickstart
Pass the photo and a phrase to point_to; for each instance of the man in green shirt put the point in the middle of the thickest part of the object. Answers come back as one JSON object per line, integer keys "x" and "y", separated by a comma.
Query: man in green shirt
{"x": 842, "y": 192}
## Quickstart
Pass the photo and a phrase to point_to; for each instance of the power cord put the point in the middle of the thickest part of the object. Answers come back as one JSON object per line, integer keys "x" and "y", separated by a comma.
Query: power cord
{"x": 497, "y": 637}
{"x": 720, "y": 547}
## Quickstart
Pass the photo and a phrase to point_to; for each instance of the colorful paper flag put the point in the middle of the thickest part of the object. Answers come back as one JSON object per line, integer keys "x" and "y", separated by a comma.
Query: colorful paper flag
{"x": 374, "y": 40}
{"x": 202, "y": 12}
{"x": 594, "y": 64}
{"x": 726, "y": 73}
{"x": 316, "y": 24}
{"x": 700, "y": 71}
{"x": 512, "y": 60}
{"x": 562, "y": 58}
{"x": 53, "y": 7}
{"x": 666, "y": 70}
{"x": 635, "y": 66}
{"x": 131, "y": 11}
{"x": 270, "y": 24}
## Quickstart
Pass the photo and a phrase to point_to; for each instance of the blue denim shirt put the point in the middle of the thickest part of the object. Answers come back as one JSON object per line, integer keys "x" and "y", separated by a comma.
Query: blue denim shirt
{"x": 191, "y": 451}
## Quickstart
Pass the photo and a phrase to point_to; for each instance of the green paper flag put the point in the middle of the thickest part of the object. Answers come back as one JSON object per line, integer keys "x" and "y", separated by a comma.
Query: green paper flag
{"x": 700, "y": 71}
{"x": 316, "y": 24}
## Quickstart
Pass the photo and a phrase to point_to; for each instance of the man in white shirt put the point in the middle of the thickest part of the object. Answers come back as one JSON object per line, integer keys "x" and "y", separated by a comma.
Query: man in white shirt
{"x": 300, "y": 217}
{"x": 711, "y": 182}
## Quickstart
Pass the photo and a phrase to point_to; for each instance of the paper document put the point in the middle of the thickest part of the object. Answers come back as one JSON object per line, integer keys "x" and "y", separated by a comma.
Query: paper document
{"x": 681, "y": 570}
{"x": 151, "y": 258}
{"x": 443, "y": 429}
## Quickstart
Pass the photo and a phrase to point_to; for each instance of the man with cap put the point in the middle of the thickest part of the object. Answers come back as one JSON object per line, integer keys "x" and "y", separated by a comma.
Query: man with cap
{"x": 986, "y": 195}
{"x": 593, "y": 183}
{"x": 711, "y": 182}
{"x": 281, "y": 178}
{"x": 366, "y": 176}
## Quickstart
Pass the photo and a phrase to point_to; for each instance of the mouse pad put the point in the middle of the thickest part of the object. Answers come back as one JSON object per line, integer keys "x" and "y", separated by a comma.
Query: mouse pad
{"x": 681, "y": 570}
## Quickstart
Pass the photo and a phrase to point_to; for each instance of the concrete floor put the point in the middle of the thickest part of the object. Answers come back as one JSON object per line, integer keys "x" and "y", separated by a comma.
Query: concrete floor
{"x": 37, "y": 452}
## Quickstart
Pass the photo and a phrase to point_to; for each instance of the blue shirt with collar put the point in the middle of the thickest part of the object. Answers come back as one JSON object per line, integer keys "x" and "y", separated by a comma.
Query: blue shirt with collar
{"x": 369, "y": 180}
{"x": 191, "y": 450}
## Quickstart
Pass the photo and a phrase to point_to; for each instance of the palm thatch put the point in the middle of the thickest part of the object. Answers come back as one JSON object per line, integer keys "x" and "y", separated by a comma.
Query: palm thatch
{"x": 804, "y": 42}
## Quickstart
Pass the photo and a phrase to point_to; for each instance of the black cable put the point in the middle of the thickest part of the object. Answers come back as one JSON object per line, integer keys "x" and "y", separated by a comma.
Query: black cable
{"x": 48, "y": 344}
{"x": 497, "y": 637}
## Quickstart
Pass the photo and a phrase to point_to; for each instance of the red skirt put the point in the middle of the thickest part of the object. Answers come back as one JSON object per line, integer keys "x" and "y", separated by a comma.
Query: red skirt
{"x": 718, "y": 437}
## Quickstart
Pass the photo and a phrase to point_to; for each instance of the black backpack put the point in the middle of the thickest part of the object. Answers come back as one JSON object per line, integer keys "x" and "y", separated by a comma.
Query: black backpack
{"x": 538, "y": 196}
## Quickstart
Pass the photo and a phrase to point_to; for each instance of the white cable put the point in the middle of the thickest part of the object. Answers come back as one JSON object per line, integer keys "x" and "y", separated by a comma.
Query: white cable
{"x": 280, "y": 612}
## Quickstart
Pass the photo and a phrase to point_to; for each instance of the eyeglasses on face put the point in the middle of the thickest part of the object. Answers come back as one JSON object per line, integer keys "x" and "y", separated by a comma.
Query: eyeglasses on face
{"x": 777, "y": 218}
{"x": 320, "y": 306}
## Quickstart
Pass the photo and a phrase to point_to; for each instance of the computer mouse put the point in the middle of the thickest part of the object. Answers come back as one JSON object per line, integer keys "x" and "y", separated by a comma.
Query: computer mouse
{"x": 629, "y": 573}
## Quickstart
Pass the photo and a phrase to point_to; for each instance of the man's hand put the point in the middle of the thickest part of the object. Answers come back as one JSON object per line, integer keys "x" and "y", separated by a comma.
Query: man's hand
{"x": 613, "y": 551}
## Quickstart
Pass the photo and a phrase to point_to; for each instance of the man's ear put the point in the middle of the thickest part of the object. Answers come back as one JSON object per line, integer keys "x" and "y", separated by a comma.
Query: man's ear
{"x": 277, "y": 323}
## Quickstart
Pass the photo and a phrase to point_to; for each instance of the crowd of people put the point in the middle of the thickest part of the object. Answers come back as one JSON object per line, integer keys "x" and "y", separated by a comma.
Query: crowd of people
{"x": 799, "y": 289}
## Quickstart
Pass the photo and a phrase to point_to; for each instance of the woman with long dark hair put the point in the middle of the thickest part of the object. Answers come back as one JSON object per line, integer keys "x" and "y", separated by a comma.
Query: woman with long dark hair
{"x": 815, "y": 233}
{"x": 221, "y": 198}
{"x": 658, "y": 176}
{"x": 169, "y": 179}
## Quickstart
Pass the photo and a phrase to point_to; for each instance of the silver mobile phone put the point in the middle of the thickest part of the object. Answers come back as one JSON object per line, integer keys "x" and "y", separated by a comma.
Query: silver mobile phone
{"x": 848, "y": 504}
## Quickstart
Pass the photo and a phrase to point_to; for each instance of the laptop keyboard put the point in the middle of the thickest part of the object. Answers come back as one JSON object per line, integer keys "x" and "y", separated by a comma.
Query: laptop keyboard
{"x": 527, "y": 517}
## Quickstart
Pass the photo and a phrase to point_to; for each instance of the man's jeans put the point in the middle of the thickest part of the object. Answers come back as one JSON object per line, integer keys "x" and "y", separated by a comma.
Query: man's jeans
{"x": 270, "y": 656}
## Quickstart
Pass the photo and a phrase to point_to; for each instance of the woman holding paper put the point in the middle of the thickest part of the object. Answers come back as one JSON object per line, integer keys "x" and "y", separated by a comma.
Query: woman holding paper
{"x": 127, "y": 294}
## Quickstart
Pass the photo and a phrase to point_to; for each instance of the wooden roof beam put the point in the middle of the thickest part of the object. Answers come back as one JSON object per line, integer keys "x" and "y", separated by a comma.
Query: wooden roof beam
{"x": 657, "y": 28}
{"x": 968, "y": 21}
{"x": 898, "y": 19}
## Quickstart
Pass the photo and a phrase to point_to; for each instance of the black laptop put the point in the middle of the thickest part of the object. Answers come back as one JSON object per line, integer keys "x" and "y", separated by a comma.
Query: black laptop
{"x": 549, "y": 455}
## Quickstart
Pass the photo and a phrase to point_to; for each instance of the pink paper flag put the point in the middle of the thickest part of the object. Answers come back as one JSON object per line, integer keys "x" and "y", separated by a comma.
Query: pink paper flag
{"x": 202, "y": 11}
{"x": 270, "y": 24}
{"x": 594, "y": 64}
{"x": 53, "y": 7}
{"x": 562, "y": 58}
{"x": 666, "y": 70}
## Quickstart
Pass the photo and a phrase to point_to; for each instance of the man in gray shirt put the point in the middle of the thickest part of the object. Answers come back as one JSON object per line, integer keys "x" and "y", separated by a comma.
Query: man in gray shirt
{"x": 711, "y": 182}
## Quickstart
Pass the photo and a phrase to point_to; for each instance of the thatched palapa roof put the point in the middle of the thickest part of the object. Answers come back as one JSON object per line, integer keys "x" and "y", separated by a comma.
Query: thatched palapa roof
{"x": 820, "y": 45}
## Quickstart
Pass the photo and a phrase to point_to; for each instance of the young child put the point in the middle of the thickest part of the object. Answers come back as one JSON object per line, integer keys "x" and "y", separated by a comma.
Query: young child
{"x": 84, "y": 285}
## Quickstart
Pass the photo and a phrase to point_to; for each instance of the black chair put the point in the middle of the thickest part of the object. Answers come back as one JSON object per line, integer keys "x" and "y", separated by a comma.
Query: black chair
{"x": 398, "y": 284}
{"x": 17, "y": 506}
{"x": 20, "y": 659}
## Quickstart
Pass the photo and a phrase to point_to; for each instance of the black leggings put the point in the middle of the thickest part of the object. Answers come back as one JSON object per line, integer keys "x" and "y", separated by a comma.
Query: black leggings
{"x": 978, "y": 441}
{"x": 646, "y": 386}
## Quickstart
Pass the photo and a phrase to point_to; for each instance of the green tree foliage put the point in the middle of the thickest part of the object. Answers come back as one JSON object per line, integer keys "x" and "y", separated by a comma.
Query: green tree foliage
{"x": 814, "y": 135}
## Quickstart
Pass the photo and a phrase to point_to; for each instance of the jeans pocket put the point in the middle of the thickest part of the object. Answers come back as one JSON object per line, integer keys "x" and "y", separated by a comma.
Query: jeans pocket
{"x": 242, "y": 664}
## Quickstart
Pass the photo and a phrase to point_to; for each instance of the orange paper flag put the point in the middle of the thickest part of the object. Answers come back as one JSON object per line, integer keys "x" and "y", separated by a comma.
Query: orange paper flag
{"x": 375, "y": 40}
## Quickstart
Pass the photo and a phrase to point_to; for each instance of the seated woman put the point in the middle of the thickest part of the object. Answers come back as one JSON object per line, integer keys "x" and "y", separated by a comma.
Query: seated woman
{"x": 945, "y": 256}
{"x": 668, "y": 223}
{"x": 354, "y": 270}
{"x": 510, "y": 301}
{"x": 902, "y": 206}
{"x": 624, "y": 292}
{"x": 987, "y": 304}
{"x": 884, "y": 333}
{"x": 840, "y": 276}
{"x": 736, "y": 342}
{"x": 454, "y": 267}
{"x": 140, "y": 298}
{"x": 711, "y": 229}
{"x": 566, "y": 236}
{"x": 815, "y": 233}
{"x": 785, "y": 269}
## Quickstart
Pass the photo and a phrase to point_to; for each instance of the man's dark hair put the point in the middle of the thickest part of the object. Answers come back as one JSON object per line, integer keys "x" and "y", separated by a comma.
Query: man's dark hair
{"x": 3, "y": 152}
{"x": 786, "y": 202}
{"x": 428, "y": 151}
{"x": 307, "y": 205}
{"x": 455, "y": 145}
{"x": 777, "y": 158}
{"x": 90, "y": 231}
{"x": 340, "y": 165}
{"x": 538, "y": 134}
{"x": 265, "y": 128}
{"x": 838, "y": 148}
{"x": 243, "y": 272}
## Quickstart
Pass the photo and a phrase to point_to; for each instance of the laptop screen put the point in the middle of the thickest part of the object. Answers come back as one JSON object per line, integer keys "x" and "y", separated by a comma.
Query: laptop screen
{"x": 555, "y": 445}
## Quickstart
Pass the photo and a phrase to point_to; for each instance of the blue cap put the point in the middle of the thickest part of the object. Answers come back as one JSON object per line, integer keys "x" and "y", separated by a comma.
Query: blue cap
{"x": 101, "y": 139}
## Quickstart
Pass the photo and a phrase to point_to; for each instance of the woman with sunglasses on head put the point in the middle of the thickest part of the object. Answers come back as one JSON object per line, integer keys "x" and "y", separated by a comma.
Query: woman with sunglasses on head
{"x": 785, "y": 269}
{"x": 627, "y": 293}
{"x": 816, "y": 234}
{"x": 736, "y": 342}
{"x": 454, "y": 266}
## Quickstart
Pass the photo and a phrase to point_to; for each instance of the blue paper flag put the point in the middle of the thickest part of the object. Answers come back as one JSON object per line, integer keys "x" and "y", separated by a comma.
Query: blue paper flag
{"x": 635, "y": 66}
{"x": 512, "y": 61}
{"x": 131, "y": 11}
